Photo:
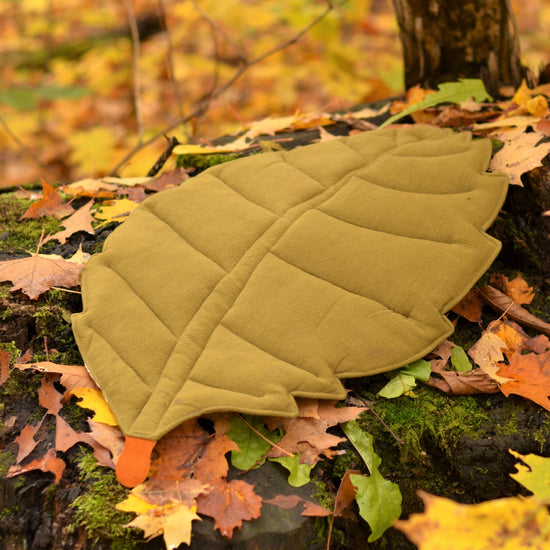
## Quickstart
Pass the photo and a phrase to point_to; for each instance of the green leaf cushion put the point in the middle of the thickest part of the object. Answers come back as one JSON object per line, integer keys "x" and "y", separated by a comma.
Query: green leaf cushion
{"x": 277, "y": 275}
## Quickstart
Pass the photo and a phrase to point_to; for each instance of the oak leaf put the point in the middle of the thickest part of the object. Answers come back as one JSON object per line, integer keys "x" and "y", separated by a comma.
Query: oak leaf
{"x": 93, "y": 399}
{"x": 520, "y": 155}
{"x": 530, "y": 377}
{"x": 51, "y": 204}
{"x": 49, "y": 462}
{"x": 230, "y": 503}
{"x": 38, "y": 273}
{"x": 26, "y": 442}
{"x": 517, "y": 288}
{"x": 470, "y": 307}
{"x": 166, "y": 180}
{"x": 80, "y": 220}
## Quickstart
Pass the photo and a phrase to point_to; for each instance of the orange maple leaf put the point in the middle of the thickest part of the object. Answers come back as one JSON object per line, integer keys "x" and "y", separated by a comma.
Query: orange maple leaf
{"x": 51, "y": 204}
{"x": 38, "y": 273}
{"x": 517, "y": 288}
{"x": 80, "y": 220}
{"x": 230, "y": 503}
{"x": 530, "y": 376}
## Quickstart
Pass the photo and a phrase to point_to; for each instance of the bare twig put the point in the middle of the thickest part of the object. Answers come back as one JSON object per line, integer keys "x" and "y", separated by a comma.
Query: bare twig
{"x": 135, "y": 66}
{"x": 27, "y": 150}
{"x": 172, "y": 142}
{"x": 260, "y": 434}
{"x": 203, "y": 105}
{"x": 170, "y": 58}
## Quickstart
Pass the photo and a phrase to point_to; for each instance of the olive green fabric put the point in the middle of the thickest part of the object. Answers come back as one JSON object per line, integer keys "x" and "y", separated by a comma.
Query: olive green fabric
{"x": 277, "y": 275}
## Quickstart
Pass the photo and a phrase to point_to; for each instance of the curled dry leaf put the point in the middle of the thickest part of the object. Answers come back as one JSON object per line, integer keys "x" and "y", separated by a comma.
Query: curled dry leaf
{"x": 503, "y": 304}
{"x": 463, "y": 383}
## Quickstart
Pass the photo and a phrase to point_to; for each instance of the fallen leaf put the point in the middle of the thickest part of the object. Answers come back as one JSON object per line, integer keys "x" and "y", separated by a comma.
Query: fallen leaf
{"x": 51, "y": 204}
{"x": 502, "y": 523}
{"x": 230, "y": 503}
{"x": 308, "y": 435}
{"x": 172, "y": 520}
{"x": 517, "y": 288}
{"x": 93, "y": 399}
{"x": 530, "y": 377}
{"x": 379, "y": 499}
{"x": 81, "y": 220}
{"x": 345, "y": 494}
{"x": 166, "y": 180}
{"x": 520, "y": 155}
{"x": 487, "y": 352}
{"x": 26, "y": 442}
{"x": 38, "y": 273}
{"x": 534, "y": 474}
{"x": 463, "y": 383}
{"x": 89, "y": 187}
{"x": 470, "y": 307}
{"x": 298, "y": 473}
{"x": 5, "y": 358}
{"x": 503, "y": 304}
{"x": 47, "y": 463}
{"x": 115, "y": 211}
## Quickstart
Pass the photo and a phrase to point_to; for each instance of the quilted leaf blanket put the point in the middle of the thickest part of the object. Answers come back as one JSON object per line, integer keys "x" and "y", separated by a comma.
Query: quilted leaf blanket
{"x": 278, "y": 275}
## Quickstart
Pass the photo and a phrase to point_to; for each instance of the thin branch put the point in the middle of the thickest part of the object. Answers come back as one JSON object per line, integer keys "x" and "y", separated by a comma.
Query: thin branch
{"x": 170, "y": 58}
{"x": 27, "y": 150}
{"x": 203, "y": 105}
{"x": 135, "y": 66}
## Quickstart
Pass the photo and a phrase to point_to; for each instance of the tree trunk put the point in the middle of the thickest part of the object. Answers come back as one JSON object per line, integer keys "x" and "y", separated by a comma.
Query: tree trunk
{"x": 444, "y": 40}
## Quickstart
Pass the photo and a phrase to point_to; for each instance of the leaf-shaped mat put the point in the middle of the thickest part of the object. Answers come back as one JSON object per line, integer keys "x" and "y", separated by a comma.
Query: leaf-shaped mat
{"x": 276, "y": 275}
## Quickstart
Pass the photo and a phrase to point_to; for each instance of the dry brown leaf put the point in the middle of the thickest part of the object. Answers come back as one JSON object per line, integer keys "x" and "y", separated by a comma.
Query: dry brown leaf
{"x": 308, "y": 435}
{"x": 520, "y": 155}
{"x": 80, "y": 220}
{"x": 38, "y": 273}
{"x": 26, "y": 442}
{"x": 51, "y": 204}
{"x": 47, "y": 463}
{"x": 463, "y": 383}
{"x": 503, "y": 304}
{"x": 89, "y": 187}
{"x": 5, "y": 357}
{"x": 487, "y": 352}
{"x": 311, "y": 509}
{"x": 530, "y": 376}
{"x": 230, "y": 503}
{"x": 172, "y": 178}
{"x": 517, "y": 288}
{"x": 470, "y": 307}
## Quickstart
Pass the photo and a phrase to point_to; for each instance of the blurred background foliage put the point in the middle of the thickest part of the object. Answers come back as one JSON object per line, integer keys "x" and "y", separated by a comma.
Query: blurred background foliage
{"x": 78, "y": 93}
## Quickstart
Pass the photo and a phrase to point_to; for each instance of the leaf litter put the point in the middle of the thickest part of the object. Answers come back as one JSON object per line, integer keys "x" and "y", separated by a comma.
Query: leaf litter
{"x": 505, "y": 359}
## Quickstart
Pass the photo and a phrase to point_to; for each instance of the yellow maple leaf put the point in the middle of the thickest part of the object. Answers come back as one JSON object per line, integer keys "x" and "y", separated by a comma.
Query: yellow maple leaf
{"x": 534, "y": 474}
{"x": 506, "y": 523}
{"x": 173, "y": 520}
{"x": 115, "y": 211}
{"x": 94, "y": 400}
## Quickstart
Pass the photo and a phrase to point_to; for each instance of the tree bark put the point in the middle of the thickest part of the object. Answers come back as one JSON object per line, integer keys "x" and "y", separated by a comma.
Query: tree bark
{"x": 444, "y": 40}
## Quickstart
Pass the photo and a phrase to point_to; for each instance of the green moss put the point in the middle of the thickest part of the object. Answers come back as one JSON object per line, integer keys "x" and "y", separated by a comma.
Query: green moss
{"x": 95, "y": 510}
{"x": 202, "y": 162}
{"x": 20, "y": 235}
{"x": 6, "y": 461}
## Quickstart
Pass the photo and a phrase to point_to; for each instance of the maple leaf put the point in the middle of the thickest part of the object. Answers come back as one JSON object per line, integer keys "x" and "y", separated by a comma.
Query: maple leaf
{"x": 230, "y": 503}
{"x": 519, "y": 155}
{"x": 470, "y": 307}
{"x": 172, "y": 520}
{"x": 517, "y": 288}
{"x": 166, "y": 180}
{"x": 38, "y": 273}
{"x": 51, "y": 204}
{"x": 80, "y": 220}
{"x": 307, "y": 435}
{"x": 115, "y": 211}
{"x": 530, "y": 377}
{"x": 514, "y": 523}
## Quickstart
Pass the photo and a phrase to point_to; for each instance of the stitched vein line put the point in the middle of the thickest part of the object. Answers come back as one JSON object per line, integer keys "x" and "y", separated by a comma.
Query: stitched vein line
{"x": 142, "y": 300}
{"x": 340, "y": 287}
{"x": 110, "y": 346}
{"x": 184, "y": 239}
{"x": 388, "y": 232}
